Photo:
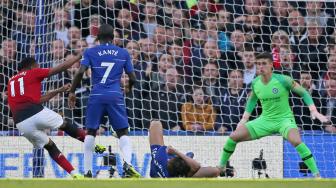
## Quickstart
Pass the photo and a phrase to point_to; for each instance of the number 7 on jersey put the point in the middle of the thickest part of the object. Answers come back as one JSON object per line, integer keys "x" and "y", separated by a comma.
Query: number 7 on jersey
{"x": 109, "y": 66}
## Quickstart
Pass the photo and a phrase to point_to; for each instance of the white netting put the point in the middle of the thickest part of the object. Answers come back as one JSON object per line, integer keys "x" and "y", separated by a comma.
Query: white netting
{"x": 176, "y": 46}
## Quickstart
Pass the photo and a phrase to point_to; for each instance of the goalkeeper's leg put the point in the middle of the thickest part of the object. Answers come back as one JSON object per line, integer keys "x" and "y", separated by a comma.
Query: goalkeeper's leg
{"x": 295, "y": 139}
{"x": 239, "y": 135}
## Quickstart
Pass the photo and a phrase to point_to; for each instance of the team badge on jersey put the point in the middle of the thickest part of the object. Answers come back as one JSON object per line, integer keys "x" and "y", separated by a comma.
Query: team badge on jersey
{"x": 275, "y": 90}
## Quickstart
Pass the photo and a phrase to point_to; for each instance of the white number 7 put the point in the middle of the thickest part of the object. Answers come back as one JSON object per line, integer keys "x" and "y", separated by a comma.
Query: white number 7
{"x": 109, "y": 66}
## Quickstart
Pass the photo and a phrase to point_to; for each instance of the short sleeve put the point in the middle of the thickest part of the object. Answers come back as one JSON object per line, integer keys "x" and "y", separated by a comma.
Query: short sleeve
{"x": 287, "y": 81}
{"x": 85, "y": 59}
{"x": 41, "y": 73}
{"x": 129, "y": 65}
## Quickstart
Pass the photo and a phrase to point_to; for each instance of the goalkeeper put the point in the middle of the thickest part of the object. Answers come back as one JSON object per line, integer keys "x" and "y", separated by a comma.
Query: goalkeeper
{"x": 273, "y": 92}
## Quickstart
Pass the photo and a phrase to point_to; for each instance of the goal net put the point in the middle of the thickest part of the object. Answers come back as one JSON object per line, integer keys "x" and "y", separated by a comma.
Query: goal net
{"x": 194, "y": 62}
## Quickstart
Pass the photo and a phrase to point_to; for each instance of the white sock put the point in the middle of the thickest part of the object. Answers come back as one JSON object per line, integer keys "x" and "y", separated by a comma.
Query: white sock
{"x": 89, "y": 143}
{"x": 125, "y": 146}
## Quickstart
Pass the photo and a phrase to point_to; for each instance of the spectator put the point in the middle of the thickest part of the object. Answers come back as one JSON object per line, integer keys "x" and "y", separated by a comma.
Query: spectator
{"x": 74, "y": 35}
{"x": 301, "y": 111}
{"x": 316, "y": 10}
{"x": 8, "y": 68}
{"x": 160, "y": 40}
{"x": 117, "y": 40}
{"x": 175, "y": 49}
{"x": 148, "y": 54}
{"x": 224, "y": 26}
{"x": 233, "y": 101}
{"x": 81, "y": 45}
{"x": 256, "y": 33}
{"x": 150, "y": 21}
{"x": 249, "y": 71}
{"x": 233, "y": 56}
{"x": 58, "y": 51}
{"x": 84, "y": 10}
{"x": 24, "y": 34}
{"x": 165, "y": 12}
{"x": 278, "y": 19}
{"x": 312, "y": 50}
{"x": 140, "y": 94}
{"x": 288, "y": 66}
{"x": 94, "y": 24}
{"x": 329, "y": 75}
{"x": 61, "y": 25}
{"x": 330, "y": 105}
{"x": 202, "y": 7}
{"x": 126, "y": 27}
{"x": 297, "y": 29}
{"x": 211, "y": 84}
{"x": 198, "y": 114}
{"x": 166, "y": 102}
{"x": 158, "y": 78}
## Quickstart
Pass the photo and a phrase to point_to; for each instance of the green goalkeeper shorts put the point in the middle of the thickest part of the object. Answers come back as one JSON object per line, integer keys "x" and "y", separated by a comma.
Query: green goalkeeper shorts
{"x": 261, "y": 127}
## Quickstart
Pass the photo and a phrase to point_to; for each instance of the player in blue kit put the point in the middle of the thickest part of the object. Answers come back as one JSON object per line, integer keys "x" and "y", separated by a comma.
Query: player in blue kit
{"x": 167, "y": 162}
{"x": 107, "y": 62}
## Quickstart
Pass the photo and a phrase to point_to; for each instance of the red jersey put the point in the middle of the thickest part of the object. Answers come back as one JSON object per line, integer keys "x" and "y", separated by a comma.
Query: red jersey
{"x": 24, "y": 93}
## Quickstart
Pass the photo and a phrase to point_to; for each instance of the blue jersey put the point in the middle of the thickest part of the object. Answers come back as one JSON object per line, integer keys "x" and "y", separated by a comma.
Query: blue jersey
{"x": 159, "y": 162}
{"x": 107, "y": 62}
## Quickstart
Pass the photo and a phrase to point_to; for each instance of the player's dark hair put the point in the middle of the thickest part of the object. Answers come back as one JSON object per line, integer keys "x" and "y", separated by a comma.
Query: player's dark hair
{"x": 105, "y": 33}
{"x": 265, "y": 55}
{"x": 26, "y": 63}
{"x": 177, "y": 167}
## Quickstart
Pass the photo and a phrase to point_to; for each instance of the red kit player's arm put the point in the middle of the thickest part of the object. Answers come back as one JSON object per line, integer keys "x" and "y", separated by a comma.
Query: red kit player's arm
{"x": 64, "y": 66}
{"x": 50, "y": 94}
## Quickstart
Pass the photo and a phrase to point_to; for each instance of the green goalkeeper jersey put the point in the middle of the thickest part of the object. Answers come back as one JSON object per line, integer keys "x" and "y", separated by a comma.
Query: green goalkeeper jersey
{"x": 274, "y": 96}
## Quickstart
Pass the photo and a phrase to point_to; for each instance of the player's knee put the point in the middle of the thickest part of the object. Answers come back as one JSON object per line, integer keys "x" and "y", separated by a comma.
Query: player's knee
{"x": 155, "y": 123}
{"x": 295, "y": 142}
{"x": 92, "y": 132}
{"x": 234, "y": 136}
{"x": 122, "y": 132}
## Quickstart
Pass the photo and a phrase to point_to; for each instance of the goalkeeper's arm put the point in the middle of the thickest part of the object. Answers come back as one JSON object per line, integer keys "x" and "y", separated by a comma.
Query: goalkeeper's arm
{"x": 250, "y": 105}
{"x": 308, "y": 100}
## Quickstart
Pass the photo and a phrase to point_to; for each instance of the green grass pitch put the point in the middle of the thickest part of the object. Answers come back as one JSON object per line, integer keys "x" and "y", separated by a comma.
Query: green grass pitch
{"x": 168, "y": 183}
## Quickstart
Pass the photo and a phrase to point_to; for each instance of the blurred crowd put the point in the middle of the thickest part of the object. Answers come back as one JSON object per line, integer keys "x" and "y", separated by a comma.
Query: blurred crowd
{"x": 194, "y": 59}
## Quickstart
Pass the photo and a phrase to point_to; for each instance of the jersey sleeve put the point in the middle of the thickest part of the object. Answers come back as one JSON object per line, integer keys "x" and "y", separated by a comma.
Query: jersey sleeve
{"x": 85, "y": 59}
{"x": 129, "y": 65}
{"x": 252, "y": 101}
{"x": 290, "y": 84}
{"x": 41, "y": 73}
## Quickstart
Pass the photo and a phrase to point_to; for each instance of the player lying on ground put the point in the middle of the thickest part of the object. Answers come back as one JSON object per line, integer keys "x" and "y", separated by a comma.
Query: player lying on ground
{"x": 179, "y": 166}
{"x": 107, "y": 63}
{"x": 31, "y": 118}
{"x": 277, "y": 117}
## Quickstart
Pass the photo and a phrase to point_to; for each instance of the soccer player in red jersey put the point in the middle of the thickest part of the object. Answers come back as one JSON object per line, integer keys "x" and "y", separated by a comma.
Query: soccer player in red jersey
{"x": 31, "y": 118}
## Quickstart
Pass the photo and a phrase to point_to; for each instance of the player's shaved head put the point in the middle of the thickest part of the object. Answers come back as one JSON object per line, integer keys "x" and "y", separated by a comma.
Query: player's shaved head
{"x": 105, "y": 33}
{"x": 27, "y": 63}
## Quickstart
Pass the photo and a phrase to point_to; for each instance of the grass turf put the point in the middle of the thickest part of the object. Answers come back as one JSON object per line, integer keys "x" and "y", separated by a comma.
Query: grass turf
{"x": 167, "y": 183}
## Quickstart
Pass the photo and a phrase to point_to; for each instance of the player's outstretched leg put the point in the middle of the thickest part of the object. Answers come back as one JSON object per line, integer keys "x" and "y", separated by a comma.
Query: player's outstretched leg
{"x": 295, "y": 139}
{"x": 239, "y": 135}
{"x": 89, "y": 145}
{"x": 75, "y": 132}
{"x": 125, "y": 146}
{"x": 59, "y": 158}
